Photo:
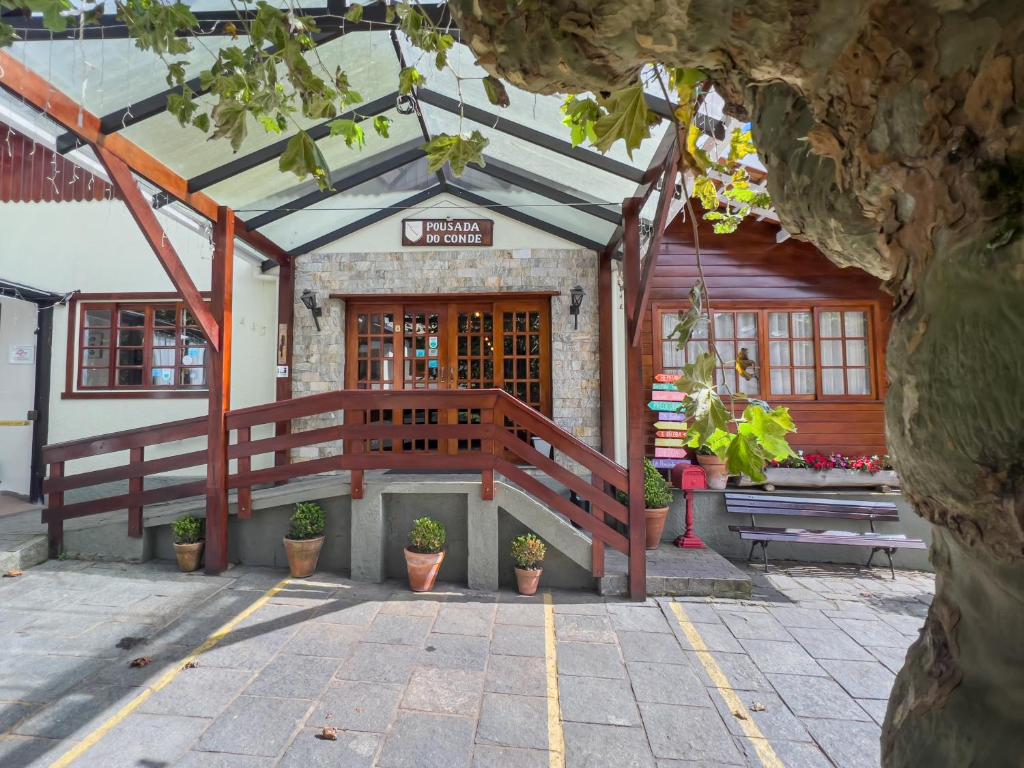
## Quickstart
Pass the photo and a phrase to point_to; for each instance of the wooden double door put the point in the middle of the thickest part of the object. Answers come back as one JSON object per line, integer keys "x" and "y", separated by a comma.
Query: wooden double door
{"x": 420, "y": 343}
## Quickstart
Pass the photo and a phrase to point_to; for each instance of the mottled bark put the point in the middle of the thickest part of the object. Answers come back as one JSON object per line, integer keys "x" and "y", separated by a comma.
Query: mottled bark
{"x": 893, "y": 133}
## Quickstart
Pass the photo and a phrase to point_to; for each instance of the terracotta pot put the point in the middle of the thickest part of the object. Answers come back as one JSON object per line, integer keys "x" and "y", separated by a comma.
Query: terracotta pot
{"x": 189, "y": 556}
{"x": 422, "y": 569}
{"x": 655, "y": 526}
{"x": 302, "y": 555}
{"x": 528, "y": 579}
{"x": 716, "y": 470}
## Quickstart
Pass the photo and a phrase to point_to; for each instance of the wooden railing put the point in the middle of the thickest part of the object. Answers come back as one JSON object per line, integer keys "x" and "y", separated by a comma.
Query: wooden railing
{"x": 485, "y": 431}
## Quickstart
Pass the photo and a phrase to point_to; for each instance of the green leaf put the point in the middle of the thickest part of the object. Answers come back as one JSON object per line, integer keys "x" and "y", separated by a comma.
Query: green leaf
{"x": 355, "y": 14}
{"x": 175, "y": 73}
{"x": 202, "y": 122}
{"x": 382, "y": 124}
{"x": 745, "y": 457}
{"x": 496, "y": 93}
{"x": 52, "y": 10}
{"x": 456, "y": 151}
{"x": 741, "y": 144}
{"x": 704, "y": 189}
{"x": 351, "y": 131}
{"x": 708, "y": 412}
{"x": 627, "y": 118}
{"x": 303, "y": 158}
{"x": 408, "y": 79}
{"x": 181, "y": 105}
{"x": 7, "y": 34}
{"x": 229, "y": 118}
{"x": 580, "y": 116}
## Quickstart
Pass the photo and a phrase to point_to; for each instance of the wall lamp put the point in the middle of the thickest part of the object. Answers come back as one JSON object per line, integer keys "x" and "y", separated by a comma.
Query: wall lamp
{"x": 575, "y": 302}
{"x": 309, "y": 301}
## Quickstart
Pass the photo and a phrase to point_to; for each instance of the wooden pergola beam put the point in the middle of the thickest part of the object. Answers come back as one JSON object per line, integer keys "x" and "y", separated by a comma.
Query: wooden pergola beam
{"x": 37, "y": 91}
{"x": 142, "y": 212}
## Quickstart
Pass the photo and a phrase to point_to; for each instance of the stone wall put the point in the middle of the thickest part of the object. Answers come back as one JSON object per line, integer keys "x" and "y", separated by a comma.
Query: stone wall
{"x": 319, "y": 358}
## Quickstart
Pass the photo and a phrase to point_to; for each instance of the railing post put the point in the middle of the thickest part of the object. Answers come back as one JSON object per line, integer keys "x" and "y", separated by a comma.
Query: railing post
{"x": 487, "y": 419}
{"x": 135, "y": 456}
{"x": 356, "y": 446}
{"x": 634, "y": 405}
{"x": 55, "y": 501}
{"x": 244, "y": 467}
{"x": 596, "y": 545}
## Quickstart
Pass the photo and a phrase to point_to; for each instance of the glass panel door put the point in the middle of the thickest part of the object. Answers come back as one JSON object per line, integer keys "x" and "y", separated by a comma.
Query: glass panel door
{"x": 525, "y": 355}
{"x": 473, "y": 331}
{"x": 372, "y": 349}
{"x": 424, "y": 367}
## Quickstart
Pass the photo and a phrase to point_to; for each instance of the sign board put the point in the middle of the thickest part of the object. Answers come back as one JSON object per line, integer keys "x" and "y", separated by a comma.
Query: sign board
{"x": 282, "y": 371}
{"x": 21, "y": 354}
{"x": 447, "y": 232}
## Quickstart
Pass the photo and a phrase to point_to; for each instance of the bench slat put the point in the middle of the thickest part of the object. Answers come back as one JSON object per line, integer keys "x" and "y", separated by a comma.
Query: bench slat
{"x": 801, "y": 511}
{"x": 771, "y": 497}
{"x": 848, "y": 538}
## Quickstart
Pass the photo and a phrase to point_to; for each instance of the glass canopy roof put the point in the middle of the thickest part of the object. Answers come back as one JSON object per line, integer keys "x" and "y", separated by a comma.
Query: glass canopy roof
{"x": 535, "y": 175}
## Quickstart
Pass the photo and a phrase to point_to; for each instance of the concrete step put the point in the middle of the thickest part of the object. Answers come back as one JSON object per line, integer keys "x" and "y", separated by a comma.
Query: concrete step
{"x": 19, "y": 552}
{"x": 672, "y": 571}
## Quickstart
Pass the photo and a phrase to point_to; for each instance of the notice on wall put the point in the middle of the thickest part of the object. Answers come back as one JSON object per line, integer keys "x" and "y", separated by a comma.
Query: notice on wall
{"x": 21, "y": 354}
{"x": 447, "y": 232}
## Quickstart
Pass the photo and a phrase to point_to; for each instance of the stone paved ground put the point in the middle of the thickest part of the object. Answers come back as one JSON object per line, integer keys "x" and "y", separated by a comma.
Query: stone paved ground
{"x": 447, "y": 680}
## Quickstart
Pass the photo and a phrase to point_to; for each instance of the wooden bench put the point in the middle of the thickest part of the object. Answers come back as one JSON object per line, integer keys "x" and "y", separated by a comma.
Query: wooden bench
{"x": 872, "y": 512}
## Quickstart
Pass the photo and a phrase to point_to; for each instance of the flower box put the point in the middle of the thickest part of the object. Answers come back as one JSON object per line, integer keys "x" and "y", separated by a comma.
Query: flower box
{"x": 780, "y": 477}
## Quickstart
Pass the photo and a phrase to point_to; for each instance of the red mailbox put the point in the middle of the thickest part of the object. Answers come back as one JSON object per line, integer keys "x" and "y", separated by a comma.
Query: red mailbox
{"x": 690, "y": 479}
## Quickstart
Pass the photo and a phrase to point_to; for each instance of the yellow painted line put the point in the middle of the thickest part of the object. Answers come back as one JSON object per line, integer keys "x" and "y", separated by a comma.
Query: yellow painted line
{"x": 762, "y": 746}
{"x": 556, "y": 738}
{"x": 14, "y": 423}
{"x": 93, "y": 738}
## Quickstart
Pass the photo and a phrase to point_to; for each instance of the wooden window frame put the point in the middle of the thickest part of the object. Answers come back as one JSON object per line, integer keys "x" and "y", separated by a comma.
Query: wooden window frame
{"x": 115, "y": 302}
{"x": 875, "y": 353}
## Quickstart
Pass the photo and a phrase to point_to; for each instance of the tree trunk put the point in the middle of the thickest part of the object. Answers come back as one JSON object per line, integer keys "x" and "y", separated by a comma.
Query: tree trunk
{"x": 893, "y": 133}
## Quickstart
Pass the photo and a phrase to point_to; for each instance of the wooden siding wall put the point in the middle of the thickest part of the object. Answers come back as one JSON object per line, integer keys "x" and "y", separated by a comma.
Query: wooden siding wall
{"x": 31, "y": 173}
{"x": 749, "y": 267}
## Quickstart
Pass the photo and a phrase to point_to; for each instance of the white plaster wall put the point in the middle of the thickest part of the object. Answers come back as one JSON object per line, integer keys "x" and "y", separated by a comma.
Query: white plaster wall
{"x": 17, "y": 394}
{"x": 96, "y": 247}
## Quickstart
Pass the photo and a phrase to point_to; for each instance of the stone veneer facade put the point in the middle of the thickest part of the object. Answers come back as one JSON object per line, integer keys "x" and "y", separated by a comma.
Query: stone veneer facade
{"x": 318, "y": 363}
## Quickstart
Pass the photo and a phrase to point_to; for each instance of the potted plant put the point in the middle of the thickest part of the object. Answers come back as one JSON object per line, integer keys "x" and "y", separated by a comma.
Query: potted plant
{"x": 188, "y": 542}
{"x": 657, "y": 497}
{"x": 425, "y": 553}
{"x": 714, "y": 467}
{"x": 305, "y": 538}
{"x": 528, "y": 552}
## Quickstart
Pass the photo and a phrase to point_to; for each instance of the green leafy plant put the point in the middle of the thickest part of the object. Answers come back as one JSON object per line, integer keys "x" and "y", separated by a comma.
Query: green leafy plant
{"x": 427, "y": 536}
{"x": 528, "y": 551}
{"x": 657, "y": 491}
{"x": 187, "y": 530}
{"x": 307, "y": 521}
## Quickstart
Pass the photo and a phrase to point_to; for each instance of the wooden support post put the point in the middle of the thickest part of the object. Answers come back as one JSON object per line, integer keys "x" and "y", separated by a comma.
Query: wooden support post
{"x": 135, "y": 484}
{"x": 285, "y": 323}
{"x": 487, "y": 448}
{"x": 222, "y": 285}
{"x": 55, "y": 500}
{"x": 605, "y": 308}
{"x": 355, "y": 446}
{"x": 244, "y": 466}
{"x": 634, "y": 410}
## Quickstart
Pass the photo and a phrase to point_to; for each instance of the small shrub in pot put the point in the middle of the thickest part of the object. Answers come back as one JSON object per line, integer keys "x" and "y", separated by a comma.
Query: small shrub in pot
{"x": 305, "y": 538}
{"x": 528, "y": 553}
{"x": 425, "y": 553}
{"x": 188, "y": 542}
{"x": 657, "y": 498}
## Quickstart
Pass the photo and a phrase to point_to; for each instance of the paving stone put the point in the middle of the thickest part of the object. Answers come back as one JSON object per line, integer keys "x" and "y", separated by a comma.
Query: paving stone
{"x": 457, "y": 619}
{"x": 352, "y": 749}
{"x": 606, "y": 746}
{"x": 746, "y": 625}
{"x": 584, "y": 628}
{"x": 254, "y": 725}
{"x": 862, "y": 679}
{"x": 455, "y": 652}
{"x": 513, "y": 721}
{"x": 638, "y": 619}
{"x": 512, "y": 640}
{"x": 641, "y": 646}
{"x": 446, "y": 691}
{"x": 356, "y": 613}
{"x": 792, "y": 754}
{"x": 816, "y": 697}
{"x": 575, "y": 602}
{"x": 875, "y": 707}
{"x": 716, "y": 637}
{"x": 873, "y": 632}
{"x": 380, "y": 663}
{"x": 487, "y": 756}
{"x": 75, "y": 712}
{"x": 848, "y": 744}
{"x": 294, "y": 677}
{"x": 144, "y": 740}
{"x": 773, "y": 656}
{"x": 18, "y": 751}
{"x": 399, "y": 630}
{"x": 420, "y": 740}
{"x": 31, "y": 678}
{"x": 357, "y": 706}
{"x": 12, "y": 712}
{"x": 698, "y": 613}
{"x": 590, "y": 660}
{"x": 526, "y": 614}
{"x": 829, "y": 644}
{"x": 223, "y": 760}
{"x": 792, "y": 616}
{"x": 330, "y": 640}
{"x": 199, "y": 692}
{"x": 597, "y": 700}
{"x": 522, "y": 675}
{"x": 775, "y": 721}
{"x": 905, "y": 625}
{"x": 740, "y": 672}
{"x": 892, "y": 658}
{"x": 247, "y": 650}
{"x": 688, "y": 733}
{"x": 410, "y": 604}
{"x": 667, "y": 684}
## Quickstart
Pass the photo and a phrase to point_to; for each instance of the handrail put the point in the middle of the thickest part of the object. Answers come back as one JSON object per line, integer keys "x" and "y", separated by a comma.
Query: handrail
{"x": 139, "y": 437}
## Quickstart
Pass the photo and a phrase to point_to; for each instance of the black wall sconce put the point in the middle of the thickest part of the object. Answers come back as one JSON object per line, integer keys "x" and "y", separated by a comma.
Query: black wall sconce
{"x": 309, "y": 301}
{"x": 575, "y": 302}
